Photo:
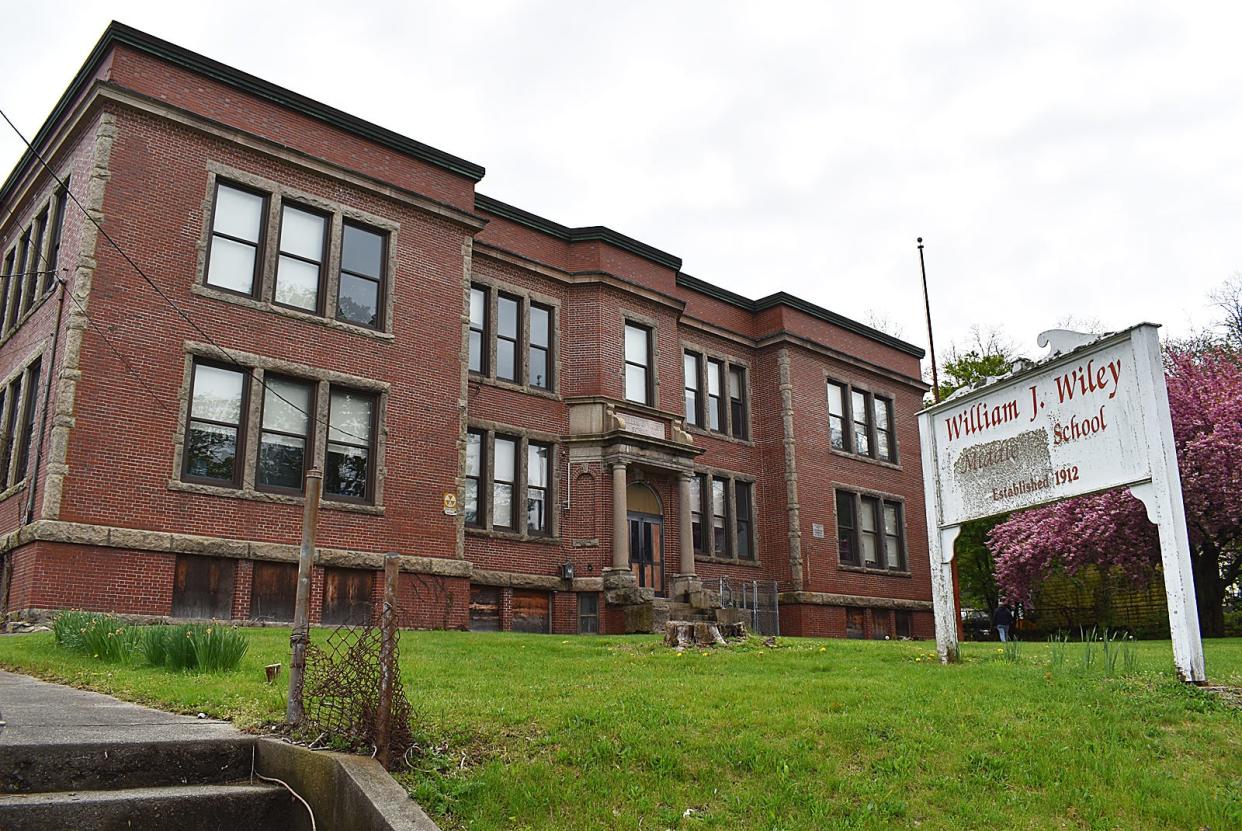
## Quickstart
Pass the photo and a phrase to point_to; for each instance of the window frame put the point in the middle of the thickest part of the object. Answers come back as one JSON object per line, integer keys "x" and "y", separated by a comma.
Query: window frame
{"x": 30, "y": 403}
{"x": 888, "y": 429}
{"x": 260, "y": 246}
{"x": 51, "y": 278}
{"x": 241, "y": 426}
{"x": 751, "y": 553}
{"x": 588, "y": 616}
{"x": 372, "y": 449}
{"x": 715, "y": 404}
{"x": 648, "y": 369}
{"x": 850, "y": 421}
{"x": 887, "y": 561}
{"x": 515, "y": 489}
{"x": 530, "y": 306}
{"x": 309, "y": 447}
{"x": 480, "y": 492}
{"x": 516, "y": 340}
{"x": 381, "y": 291}
{"x": 321, "y": 285}
{"x": 549, "y": 463}
{"x": 739, "y": 421}
{"x": 693, "y": 417}
{"x": 485, "y": 341}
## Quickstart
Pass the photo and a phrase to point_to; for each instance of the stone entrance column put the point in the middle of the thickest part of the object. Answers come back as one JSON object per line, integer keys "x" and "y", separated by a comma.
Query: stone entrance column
{"x": 685, "y": 527}
{"x": 620, "y": 519}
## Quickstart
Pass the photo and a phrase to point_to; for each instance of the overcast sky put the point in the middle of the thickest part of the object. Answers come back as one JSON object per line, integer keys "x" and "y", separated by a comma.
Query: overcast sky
{"x": 1083, "y": 160}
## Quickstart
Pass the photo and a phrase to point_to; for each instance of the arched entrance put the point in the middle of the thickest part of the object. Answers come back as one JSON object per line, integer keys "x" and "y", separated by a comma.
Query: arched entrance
{"x": 646, "y": 516}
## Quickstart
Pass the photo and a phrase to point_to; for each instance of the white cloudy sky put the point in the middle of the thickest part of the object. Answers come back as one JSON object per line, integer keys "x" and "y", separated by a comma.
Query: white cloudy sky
{"x": 1061, "y": 159}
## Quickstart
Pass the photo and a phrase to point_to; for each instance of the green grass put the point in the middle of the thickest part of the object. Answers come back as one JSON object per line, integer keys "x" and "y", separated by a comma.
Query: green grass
{"x": 538, "y": 732}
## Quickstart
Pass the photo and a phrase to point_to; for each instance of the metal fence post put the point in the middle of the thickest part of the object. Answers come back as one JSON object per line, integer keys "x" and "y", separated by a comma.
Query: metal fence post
{"x": 388, "y": 669}
{"x": 300, "y": 636}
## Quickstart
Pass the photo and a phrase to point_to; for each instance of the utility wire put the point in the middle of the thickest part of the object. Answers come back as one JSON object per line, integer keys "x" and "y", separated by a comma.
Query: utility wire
{"x": 253, "y": 371}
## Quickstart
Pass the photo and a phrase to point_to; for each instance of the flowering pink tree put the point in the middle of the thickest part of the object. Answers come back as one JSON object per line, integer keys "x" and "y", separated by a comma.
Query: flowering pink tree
{"x": 1111, "y": 529}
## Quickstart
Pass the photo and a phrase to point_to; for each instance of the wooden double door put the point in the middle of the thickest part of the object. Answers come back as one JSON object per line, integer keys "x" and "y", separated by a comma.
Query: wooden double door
{"x": 647, "y": 550}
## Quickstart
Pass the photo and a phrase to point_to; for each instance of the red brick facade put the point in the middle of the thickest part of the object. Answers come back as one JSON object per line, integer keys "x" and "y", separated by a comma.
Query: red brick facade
{"x": 143, "y": 138}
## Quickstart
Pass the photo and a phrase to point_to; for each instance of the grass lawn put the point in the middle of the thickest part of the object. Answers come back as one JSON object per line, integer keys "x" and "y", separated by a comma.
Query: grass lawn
{"x": 587, "y": 732}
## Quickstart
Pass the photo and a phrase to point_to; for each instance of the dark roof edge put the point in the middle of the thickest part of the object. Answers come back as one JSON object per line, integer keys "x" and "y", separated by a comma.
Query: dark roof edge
{"x": 785, "y": 299}
{"x": 119, "y": 33}
{"x": 567, "y": 234}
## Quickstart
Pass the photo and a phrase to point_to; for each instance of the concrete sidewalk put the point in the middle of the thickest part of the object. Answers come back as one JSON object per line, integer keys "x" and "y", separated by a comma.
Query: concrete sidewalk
{"x": 37, "y": 713}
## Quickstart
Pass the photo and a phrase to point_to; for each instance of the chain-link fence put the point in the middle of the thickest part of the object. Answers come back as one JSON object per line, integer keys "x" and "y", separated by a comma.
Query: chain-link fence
{"x": 760, "y": 599}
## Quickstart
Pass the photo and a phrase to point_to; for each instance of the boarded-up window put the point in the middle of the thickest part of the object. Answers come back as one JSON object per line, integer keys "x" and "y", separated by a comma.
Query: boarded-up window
{"x": 531, "y": 612}
{"x": 484, "y": 609}
{"x": 588, "y": 613}
{"x": 905, "y": 628}
{"x": 879, "y": 624}
{"x": 854, "y": 623}
{"x": 203, "y": 587}
{"x": 273, "y": 591}
{"x": 346, "y": 597}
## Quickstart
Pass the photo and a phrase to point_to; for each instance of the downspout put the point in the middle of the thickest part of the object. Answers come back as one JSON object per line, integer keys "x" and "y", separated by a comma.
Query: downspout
{"x": 50, "y": 372}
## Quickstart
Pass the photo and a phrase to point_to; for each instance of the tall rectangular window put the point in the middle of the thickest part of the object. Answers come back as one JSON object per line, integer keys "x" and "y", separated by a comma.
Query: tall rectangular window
{"x": 504, "y": 470}
{"x": 836, "y": 415}
{"x": 715, "y": 399}
{"x": 894, "y": 539}
{"x": 8, "y": 413}
{"x": 53, "y": 248}
{"x": 904, "y": 621}
{"x": 858, "y": 407}
{"x": 847, "y": 532}
{"x": 478, "y": 330}
{"x": 348, "y": 462}
{"x": 28, "y": 420}
{"x": 236, "y": 234}
{"x": 867, "y": 532}
{"x": 362, "y": 276}
{"x": 691, "y": 366}
{"x": 18, "y": 303}
{"x": 34, "y": 263}
{"x": 720, "y": 519}
{"x": 9, "y": 269}
{"x": 696, "y": 512}
{"x": 303, "y": 247}
{"x": 472, "y": 504}
{"x": 738, "y": 415}
{"x": 854, "y": 623}
{"x": 742, "y": 514}
{"x": 540, "y": 346}
{"x": 883, "y": 429}
{"x": 637, "y": 364}
{"x": 588, "y": 613}
{"x": 537, "y": 464}
{"x": 508, "y": 313}
{"x": 287, "y": 408}
{"x": 214, "y": 429}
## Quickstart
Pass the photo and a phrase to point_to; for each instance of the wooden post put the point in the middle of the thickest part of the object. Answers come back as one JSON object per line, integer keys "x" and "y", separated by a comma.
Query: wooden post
{"x": 300, "y": 636}
{"x": 388, "y": 664}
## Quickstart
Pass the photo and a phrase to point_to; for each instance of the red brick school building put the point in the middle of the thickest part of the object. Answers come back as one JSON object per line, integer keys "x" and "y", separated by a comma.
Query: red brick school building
{"x": 557, "y": 428}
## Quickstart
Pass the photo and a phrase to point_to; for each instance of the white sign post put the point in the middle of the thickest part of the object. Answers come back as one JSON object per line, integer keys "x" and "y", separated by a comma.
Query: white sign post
{"x": 1088, "y": 419}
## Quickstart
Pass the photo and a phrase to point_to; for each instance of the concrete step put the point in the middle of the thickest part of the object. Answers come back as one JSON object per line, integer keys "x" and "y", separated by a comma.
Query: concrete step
{"x": 95, "y": 765}
{"x": 181, "y": 807}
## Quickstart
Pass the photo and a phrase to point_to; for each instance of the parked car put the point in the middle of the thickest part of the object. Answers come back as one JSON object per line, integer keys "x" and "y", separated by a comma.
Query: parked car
{"x": 977, "y": 625}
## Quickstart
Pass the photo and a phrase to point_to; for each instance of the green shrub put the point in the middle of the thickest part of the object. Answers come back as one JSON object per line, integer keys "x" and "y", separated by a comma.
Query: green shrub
{"x": 179, "y": 648}
{"x": 68, "y": 628}
{"x": 184, "y": 647}
{"x": 155, "y": 644}
{"x": 218, "y": 648}
{"x": 100, "y": 636}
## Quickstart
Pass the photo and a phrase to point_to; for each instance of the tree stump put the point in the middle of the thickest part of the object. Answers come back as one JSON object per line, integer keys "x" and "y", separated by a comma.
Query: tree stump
{"x": 682, "y": 634}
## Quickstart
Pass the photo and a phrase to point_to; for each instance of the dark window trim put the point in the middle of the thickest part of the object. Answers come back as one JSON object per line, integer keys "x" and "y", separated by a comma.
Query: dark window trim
{"x": 308, "y": 452}
{"x": 31, "y": 402}
{"x": 481, "y": 491}
{"x": 516, "y": 339}
{"x": 522, "y": 440}
{"x": 546, "y": 531}
{"x": 648, "y": 369}
{"x": 485, "y": 341}
{"x": 886, "y": 563}
{"x": 372, "y": 447}
{"x": 239, "y": 451}
{"x": 849, "y": 421}
{"x": 321, "y": 288}
{"x": 260, "y": 246}
{"x": 739, "y": 424}
{"x": 51, "y": 278}
{"x": 515, "y": 490}
{"x": 697, "y": 389}
{"x": 381, "y": 293}
{"x": 530, "y": 345}
{"x": 721, "y": 412}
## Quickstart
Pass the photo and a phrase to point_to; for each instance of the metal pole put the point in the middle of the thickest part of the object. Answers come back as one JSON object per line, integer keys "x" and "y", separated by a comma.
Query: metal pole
{"x": 931, "y": 341}
{"x": 300, "y": 636}
{"x": 388, "y": 669}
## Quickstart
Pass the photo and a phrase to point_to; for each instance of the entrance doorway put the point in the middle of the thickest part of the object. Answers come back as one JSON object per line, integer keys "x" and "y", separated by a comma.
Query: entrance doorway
{"x": 646, "y": 537}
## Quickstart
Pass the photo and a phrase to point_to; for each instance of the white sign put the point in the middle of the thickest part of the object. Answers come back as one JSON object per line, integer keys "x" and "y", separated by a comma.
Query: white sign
{"x": 817, "y": 530}
{"x": 631, "y": 423}
{"x": 1088, "y": 419}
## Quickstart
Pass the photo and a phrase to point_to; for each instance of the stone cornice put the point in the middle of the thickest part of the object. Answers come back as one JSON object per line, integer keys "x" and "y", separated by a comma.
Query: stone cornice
{"x": 830, "y": 599}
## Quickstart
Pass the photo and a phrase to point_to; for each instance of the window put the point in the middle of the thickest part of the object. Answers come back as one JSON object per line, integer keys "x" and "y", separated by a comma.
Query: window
{"x": 540, "y": 346}
{"x": 474, "y": 478}
{"x": 861, "y": 422}
{"x": 737, "y": 403}
{"x": 904, "y": 624}
{"x": 303, "y": 247}
{"x": 879, "y": 624}
{"x": 9, "y": 269}
{"x": 696, "y": 511}
{"x": 715, "y": 403}
{"x": 588, "y": 613}
{"x": 508, "y": 311}
{"x": 720, "y": 536}
{"x": 236, "y": 234}
{"x": 883, "y": 428}
{"x": 362, "y": 276}
{"x": 287, "y": 405}
{"x": 8, "y": 399}
{"x": 214, "y": 429}
{"x": 28, "y": 421}
{"x": 637, "y": 364}
{"x": 34, "y": 263}
{"x": 537, "y": 458}
{"x": 53, "y": 248}
{"x": 741, "y": 510}
{"x": 870, "y": 531}
{"x": 478, "y": 330}
{"x": 504, "y": 467}
{"x": 348, "y": 460}
{"x": 854, "y": 624}
{"x": 21, "y": 280}
{"x": 692, "y": 364}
